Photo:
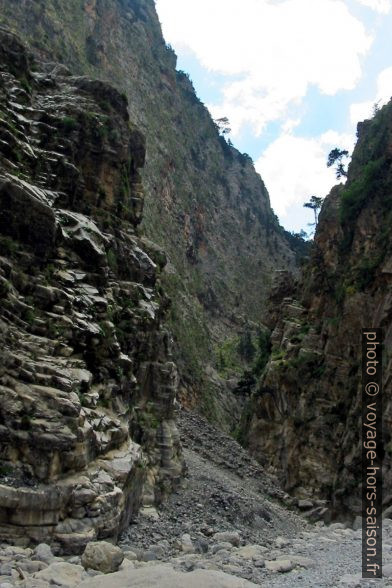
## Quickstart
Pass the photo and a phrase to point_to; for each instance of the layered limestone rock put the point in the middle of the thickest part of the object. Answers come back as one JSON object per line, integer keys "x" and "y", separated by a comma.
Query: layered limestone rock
{"x": 305, "y": 416}
{"x": 205, "y": 203}
{"x": 87, "y": 383}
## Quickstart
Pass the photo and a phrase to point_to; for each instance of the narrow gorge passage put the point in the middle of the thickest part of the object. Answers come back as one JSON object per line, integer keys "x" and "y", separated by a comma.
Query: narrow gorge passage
{"x": 180, "y": 375}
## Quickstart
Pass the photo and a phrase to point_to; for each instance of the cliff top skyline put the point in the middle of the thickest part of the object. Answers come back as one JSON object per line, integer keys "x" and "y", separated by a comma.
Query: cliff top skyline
{"x": 292, "y": 97}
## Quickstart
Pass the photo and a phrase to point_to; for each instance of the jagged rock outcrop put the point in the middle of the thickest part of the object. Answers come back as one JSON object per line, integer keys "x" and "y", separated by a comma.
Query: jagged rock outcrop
{"x": 305, "y": 416}
{"x": 87, "y": 382}
{"x": 205, "y": 203}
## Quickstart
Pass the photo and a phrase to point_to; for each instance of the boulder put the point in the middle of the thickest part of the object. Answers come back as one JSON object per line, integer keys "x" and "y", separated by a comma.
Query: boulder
{"x": 163, "y": 576}
{"x": 61, "y": 574}
{"x": 224, "y": 546}
{"x": 43, "y": 553}
{"x": 102, "y": 556}
{"x": 232, "y": 537}
{"x": 186, "y": 544}
{"x": 281, "y": 542}
{"x": 280, "y": 565}
{"x": 251, "y": 552}
{"x": 131, "y": 555}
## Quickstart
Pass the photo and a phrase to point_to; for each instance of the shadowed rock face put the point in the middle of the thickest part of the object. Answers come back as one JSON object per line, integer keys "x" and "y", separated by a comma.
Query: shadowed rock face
{"x": 87, "y": 383}
{"x": 205, "y": 204}
{"x": 306, "y": 420}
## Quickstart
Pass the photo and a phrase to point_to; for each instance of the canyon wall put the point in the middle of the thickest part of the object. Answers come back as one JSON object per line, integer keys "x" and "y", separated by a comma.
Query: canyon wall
{"x": 87, "y": 381}
{"x": 304, "y": 418}
{"x": 205, "y": 204}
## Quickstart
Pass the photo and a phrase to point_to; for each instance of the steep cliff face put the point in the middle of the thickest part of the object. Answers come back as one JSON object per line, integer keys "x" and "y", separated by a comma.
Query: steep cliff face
{"x": 307, "y": 408}
{"x": 205, "y": 203}
{"x": 87, "y": 383}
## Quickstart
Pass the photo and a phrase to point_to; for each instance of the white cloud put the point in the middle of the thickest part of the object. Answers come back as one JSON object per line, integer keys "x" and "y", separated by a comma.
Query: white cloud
{"x": 382, "y": 6}
{"x": 384, "y": 85}
{"x": 294, "y": 168}
{"x": 272, "y": 52}
{"x": 290, "y": 124}
{"x": 363, "y": 110}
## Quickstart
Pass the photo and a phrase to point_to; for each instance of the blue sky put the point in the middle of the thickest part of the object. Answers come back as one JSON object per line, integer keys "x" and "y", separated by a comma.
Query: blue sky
{"x": 293, "y": 76}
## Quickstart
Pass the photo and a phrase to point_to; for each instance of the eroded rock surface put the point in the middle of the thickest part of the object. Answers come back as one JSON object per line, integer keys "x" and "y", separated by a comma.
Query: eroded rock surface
{"x": 87, "y": 383}
{"x": 205, "y": 203}
{"x": 304, "y": 419}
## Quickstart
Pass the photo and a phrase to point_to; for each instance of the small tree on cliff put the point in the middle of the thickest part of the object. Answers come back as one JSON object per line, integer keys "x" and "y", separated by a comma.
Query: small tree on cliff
{"x": 315, "y": 203}
{"x": 336, "y": 157}
{"x": 223, "y": 125}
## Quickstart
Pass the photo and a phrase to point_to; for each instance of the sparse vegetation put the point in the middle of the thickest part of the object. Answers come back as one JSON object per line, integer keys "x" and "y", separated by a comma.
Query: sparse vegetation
{"x": 336, "y": 157}
{"x": 366, "y": 270}
{"x": 5, "y": 470}
{"x": 360, "y": 190}
{"x": 8, "y": 246}
{"x": 263, "y": 352}
{"x": 69, "y": 123}
{"x": 223, "y": 125}
{"x": 112, "y": 260}
{"x": 229, "y": 362}
{"x": 29, "y": 316}
{"x": 315, "y": 203}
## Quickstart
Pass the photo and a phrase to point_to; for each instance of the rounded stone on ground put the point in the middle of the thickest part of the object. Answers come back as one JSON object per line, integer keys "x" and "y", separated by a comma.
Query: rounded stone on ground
{"x": 158, "y": 550}
{"x": 186, "y": 544}
{"x": 232, "y": 537}
{"x": 189, "y": 566}
{"x": 102, "y": 556}
{"x": 148, "y": 555}
{"x": 299, "y": 561}
{"x": 126, "y": 564}
{"x": 6, "y": 568}
{"x": 223, "y": 555}
{"x": 251, "y": 552}
{"x": 281, "y": 565}
{"x": 202, "y": 545}
{"x": 131, "y": 555}
{"x": 224, "y": 545}
{"x": 281, "y": 542}
{"x": 61, "y": 574}
{"x": 43, "y": 553}
{"x": 151, "y": 512}
{"x": 31, "y": 567}
{"x": 163, "y": 576}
